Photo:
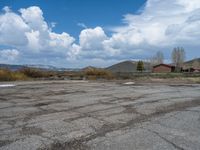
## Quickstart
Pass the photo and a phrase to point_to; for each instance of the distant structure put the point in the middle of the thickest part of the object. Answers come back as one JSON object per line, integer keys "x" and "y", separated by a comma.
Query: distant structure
{"x": 163, "y": 68}
{"x": 191, "y": 69}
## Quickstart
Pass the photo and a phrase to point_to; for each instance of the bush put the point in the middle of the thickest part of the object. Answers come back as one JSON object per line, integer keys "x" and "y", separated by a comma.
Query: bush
{"x": 24, "y": 74}
{"x": 19, "y": 76}
{"x": 94, "y": 74}
{"x": 36, "y": 73}
{"x": 7, "y": 75}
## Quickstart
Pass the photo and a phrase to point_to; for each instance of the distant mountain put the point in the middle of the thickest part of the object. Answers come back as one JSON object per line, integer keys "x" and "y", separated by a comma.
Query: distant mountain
{"x": 89, "y": 67}
{"x": 127, "y": 66}
{"x": 49, "y": 67}
{"x": 43, "y": 67}
{"x": 131, "y": 66}
{"x": 11, "y": 67}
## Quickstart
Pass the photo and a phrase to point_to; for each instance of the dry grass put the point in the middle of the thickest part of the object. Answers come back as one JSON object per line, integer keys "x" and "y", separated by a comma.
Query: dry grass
{"x": 6, "y": 75}
{"x": 24, "y": 74}
{"x": 37, "y": 73}
{"x": 96, "y": 74}
{"x": 194, "y": 80}
{"x": 93, "y": 74}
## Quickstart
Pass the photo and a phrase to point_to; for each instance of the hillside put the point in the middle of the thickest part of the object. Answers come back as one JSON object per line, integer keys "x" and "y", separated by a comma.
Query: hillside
{"x": 11, "y": 67}
{"x": 193, "y": 63}
{"x": 126, "y": 66}
{"x": 131, "y": 66}
{"x": 89, "y": 67}
{"x": 43, "y": 67}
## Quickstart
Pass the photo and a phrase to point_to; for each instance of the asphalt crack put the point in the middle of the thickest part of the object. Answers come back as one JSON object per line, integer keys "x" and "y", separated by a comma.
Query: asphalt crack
{"x": 166, "y": 140}
{"x": 107, "y": 128}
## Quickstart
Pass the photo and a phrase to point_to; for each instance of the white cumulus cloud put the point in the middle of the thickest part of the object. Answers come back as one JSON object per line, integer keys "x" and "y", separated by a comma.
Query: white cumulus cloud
{"x": 12, "y": 29}
{"x": 161, "y": 25}
{"x": 28, "y": 31}
{"x": 91, "y": 39}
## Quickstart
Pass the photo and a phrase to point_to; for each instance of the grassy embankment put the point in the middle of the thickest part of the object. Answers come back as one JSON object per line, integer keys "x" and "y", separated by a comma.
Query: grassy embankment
{"x": 160, "y": 77}
{"x": 32, "y": 73}
{"x": 7, "y": 75}
{"x": 23, "y": 74}
{"x": 95, "y": 74}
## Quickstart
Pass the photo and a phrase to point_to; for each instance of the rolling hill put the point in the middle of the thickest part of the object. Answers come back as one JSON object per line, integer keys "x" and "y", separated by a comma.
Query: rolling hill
{"x": 43, "y": 67}
{"x": 127, "y": 66}
{"x": 131, "y": 66}
{"x": 11, "y": 67}
{"x": 195, "y": 63}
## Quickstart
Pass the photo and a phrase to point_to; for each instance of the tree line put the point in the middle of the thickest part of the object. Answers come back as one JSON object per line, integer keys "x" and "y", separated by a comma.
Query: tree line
{"x": 177, "y": 58}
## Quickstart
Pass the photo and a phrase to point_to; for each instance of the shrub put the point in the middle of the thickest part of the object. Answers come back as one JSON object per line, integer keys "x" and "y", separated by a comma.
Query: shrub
{"x": 24, "y": 74}
{"x": 7, "y": 75}
{"x": 36, "y": 73}
{"x": 93, "y": 74}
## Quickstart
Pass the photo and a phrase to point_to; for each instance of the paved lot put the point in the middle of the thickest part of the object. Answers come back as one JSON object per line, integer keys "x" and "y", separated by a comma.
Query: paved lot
{"x": 101, "y": 116}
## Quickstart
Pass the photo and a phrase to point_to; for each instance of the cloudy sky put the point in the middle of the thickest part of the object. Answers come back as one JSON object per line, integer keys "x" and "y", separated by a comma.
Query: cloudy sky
{"x": 77, "y": 33}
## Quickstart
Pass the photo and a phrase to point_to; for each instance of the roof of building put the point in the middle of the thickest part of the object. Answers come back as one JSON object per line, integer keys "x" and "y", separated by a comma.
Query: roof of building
{"x": 166, "y": 65}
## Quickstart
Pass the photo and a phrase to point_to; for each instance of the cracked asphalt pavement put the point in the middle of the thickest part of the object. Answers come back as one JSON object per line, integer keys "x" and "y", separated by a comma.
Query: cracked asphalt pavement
{"x": 81, "y": 115}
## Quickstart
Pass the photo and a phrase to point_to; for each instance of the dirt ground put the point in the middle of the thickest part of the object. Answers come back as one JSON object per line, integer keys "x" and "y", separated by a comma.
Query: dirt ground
{"x": 81, "y": 115}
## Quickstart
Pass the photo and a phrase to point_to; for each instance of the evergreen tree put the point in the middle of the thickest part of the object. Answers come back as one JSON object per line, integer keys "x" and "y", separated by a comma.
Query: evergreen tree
{"x": 140, "y": 66}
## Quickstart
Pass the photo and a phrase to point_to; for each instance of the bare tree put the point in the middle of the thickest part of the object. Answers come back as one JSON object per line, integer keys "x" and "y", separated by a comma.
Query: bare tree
{"x": 157, "y": 58}
{"x": 178, "y": 57}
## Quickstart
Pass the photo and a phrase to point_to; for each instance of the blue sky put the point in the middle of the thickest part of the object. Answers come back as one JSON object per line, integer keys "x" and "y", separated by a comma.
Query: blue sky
{"x": 78, "y": 33}
{"x": 67, "y": 14}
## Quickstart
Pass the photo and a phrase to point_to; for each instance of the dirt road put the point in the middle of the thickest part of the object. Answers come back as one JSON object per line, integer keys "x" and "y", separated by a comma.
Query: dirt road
{"x": 81, "y": 115}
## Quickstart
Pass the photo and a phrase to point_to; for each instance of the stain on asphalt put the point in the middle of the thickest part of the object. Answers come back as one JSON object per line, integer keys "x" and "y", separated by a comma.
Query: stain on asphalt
{"x": 4, "y": 142}
{"x": 71, "y": 145}
{"x": 31, "y": 131}
{"x": 41, "y": 104}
